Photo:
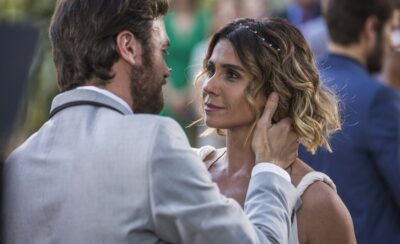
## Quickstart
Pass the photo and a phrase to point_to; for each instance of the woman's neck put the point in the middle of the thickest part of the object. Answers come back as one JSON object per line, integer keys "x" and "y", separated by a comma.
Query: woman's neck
{"x": 239, "y": 153}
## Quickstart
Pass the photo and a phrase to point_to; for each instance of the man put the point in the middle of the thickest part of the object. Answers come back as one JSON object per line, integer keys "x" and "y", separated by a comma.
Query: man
{"x": 365, "y": 163}
{"x": 100, "y": 172}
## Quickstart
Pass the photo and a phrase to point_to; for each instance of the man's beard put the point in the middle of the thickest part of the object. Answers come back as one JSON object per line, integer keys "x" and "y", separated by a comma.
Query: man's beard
{"x": 146, "y": 89}
{"x": 375, "y": 58}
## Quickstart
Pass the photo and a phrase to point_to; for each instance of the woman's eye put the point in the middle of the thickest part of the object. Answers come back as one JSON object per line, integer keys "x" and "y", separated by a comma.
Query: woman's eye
{"x": 232, "y": 75}
{"x": 210, "y": 71}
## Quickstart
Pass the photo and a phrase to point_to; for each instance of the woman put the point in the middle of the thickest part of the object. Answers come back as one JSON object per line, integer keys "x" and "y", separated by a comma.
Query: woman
{"x": 245, "y": 62}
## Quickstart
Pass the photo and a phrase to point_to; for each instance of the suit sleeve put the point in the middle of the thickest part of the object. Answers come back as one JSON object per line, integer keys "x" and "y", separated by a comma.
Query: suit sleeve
{"x": 187, "y": 207}
{"x": 384, "y": 137}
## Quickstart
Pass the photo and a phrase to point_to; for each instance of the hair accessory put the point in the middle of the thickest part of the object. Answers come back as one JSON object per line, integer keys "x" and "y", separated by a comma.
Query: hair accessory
{"x": 259, "y": 36}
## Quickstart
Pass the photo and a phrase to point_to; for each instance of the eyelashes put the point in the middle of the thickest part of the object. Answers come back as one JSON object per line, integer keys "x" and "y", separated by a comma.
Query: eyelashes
{"x": 229, "y": 73}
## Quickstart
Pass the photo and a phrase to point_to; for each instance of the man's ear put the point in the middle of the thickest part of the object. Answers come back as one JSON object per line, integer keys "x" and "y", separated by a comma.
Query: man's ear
{"x": 128, "y": 47}
{"x": 371, "y": 28}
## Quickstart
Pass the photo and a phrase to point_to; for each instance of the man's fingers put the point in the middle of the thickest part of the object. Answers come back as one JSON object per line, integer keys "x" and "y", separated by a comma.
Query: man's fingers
{"x": 285, "y": 123}
{"x": 270, "y": 108}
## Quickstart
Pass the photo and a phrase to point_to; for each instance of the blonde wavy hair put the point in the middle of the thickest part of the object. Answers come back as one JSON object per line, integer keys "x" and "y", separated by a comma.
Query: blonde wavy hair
{"x": 277, "y": 55}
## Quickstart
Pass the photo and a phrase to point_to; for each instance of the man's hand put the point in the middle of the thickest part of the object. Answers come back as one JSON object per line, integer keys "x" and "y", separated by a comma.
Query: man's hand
{"x": 274, "y": 143}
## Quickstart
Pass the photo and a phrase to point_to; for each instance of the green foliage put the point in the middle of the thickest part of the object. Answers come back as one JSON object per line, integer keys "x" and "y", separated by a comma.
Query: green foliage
{"x": 26, "y": 10}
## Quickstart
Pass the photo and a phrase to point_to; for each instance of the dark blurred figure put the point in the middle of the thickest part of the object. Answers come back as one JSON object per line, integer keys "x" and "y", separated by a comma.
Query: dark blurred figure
{"x": 316, "y": 34}
{"x": 365, "y": 163}
{"x": 17, "y": 45}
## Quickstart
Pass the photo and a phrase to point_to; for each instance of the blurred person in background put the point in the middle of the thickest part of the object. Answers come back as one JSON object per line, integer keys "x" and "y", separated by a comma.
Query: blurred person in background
{"x": 365, "y": 162}
{"x": 254, "y": 9}
{"x": 391, "y": 67}
{"x": 186, "y": 24}
{"x": 246, "y": 61}
{"x": 316, "y": 34}
{"x": 306, "y": 15}
{"x": 301, "y": 11}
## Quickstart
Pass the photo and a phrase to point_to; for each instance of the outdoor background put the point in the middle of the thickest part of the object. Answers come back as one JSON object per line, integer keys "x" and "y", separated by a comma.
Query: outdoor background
{"x": 31, "y": 20}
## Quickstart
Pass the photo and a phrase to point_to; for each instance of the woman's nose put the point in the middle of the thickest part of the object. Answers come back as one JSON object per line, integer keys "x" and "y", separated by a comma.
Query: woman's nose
{"x": 210, "y": 86}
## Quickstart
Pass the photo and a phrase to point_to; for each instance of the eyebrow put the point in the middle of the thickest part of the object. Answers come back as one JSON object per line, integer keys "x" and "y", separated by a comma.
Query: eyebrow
{"x": 232, "y": 66}
{"x": 229, "y": 66}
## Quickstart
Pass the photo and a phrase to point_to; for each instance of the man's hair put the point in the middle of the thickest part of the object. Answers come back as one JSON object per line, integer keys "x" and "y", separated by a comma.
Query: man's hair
{"x": 83, "y": 32}
{"x": 346, "y": 18}
{"x": 278, "y": 57}
{"x": 396, "y": 4}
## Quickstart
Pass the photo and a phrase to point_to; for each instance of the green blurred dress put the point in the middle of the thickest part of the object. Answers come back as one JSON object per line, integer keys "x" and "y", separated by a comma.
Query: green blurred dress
{"x": 180, "y": 51}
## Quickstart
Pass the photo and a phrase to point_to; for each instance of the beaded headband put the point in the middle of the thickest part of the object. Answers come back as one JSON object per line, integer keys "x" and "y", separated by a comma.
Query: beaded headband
{"x": 259, "y": 36}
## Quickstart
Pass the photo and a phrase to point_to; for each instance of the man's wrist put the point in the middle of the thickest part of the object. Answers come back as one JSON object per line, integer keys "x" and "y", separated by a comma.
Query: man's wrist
{"x": 271, "y": 168}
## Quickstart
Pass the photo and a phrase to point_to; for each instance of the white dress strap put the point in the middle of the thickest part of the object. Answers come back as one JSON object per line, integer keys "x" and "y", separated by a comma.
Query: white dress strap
{"x": 204, "y": 151}
{"x": 312, "y": 177}
{"x": 305, "y": 182}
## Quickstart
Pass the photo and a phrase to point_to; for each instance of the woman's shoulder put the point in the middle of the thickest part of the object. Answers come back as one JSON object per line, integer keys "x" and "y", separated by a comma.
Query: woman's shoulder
{"x": 316, "y": 188}
{"x": 323, "y": 215}
{"x": 319, "y": 195}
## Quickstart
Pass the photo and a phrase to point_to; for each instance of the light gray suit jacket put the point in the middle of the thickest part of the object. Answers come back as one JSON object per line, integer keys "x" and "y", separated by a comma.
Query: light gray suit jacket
{"x": 94, "y": 173}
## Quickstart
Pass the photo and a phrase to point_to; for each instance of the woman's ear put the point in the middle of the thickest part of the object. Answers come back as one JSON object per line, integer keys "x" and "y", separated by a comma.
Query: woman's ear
{"x": 128, "y": 47}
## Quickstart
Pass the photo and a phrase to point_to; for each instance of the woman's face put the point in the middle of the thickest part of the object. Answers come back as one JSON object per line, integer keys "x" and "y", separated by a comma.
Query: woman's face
{"x": 224, "y": 99}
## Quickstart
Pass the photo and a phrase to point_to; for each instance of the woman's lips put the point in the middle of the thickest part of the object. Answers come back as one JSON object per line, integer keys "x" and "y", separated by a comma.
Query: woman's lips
{"x": 211, "y": 107}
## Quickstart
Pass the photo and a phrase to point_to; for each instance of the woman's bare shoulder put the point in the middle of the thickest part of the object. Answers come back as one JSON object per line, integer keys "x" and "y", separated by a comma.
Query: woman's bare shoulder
{"x": 323, "y": 217}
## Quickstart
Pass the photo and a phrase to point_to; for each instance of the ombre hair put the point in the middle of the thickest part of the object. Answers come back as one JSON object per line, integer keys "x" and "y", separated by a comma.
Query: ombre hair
{"x": 278, "y": 57}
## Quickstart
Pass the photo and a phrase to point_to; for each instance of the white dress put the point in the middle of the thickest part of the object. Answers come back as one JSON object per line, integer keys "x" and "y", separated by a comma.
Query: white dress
{"x": 305, "y": 182}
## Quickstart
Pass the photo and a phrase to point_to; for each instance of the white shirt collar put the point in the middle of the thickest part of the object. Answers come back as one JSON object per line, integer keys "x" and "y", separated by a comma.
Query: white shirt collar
{"x": 107, "y": 93}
